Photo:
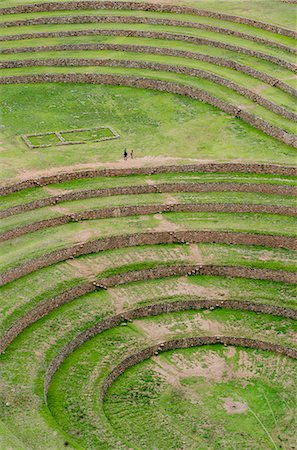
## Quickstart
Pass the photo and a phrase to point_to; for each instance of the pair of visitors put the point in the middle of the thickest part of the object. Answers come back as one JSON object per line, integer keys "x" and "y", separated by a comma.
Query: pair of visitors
{"x": 126, "y": 154}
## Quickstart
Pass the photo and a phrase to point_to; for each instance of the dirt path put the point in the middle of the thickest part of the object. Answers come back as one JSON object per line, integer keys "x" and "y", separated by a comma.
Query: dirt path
{"x": 166, "y": 225}
{"x": 170, "y": 199}
{"x": 150, "y": 161}
{"x": 128, "y": 297}
{"x": 195, "y": 253}
{"x": 82, "y": 269}
{"x": 60, "y": 209}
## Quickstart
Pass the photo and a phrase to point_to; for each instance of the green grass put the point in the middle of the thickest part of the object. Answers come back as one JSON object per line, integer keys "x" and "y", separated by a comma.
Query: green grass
{"x": 87, "y": 135}
{"x": 184, "y": 17}
{"x": 26, "y": 247}
{"x": 218, "y": 91}
{"x": 7, "y": 438}
{"x": 177, "y": 399}
{"x": 272, "y": 93}
{"x": 46, "y": 139}
{"x": 48, "y": 282}
{"x": 152, "y": 123}
{"x": 35, "y": 193}
{"x": 91, "y": 371}
{"x": 279, "y": 14}
{"x": 192, "y": 413}
{"x": 249, "y": 60}
{"x": 71, "y": 317}
{"x": 79, "y": 206}
{"x": 61, "y": 326}
{"x": 54, "y": 279}
{"x": 174, "y": 29}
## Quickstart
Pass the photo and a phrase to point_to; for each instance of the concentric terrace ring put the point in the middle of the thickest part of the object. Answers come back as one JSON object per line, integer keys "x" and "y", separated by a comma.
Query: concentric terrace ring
{"x": 73, "y": 62}
{"x": 150, "y": 238}
{"x": 162, "y": 86}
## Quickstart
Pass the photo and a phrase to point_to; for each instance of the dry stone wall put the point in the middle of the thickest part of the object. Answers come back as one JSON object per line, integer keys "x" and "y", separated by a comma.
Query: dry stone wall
{"x": 266, "y": 78}
{"x": 155, "y": 35}
{"x": 151, "y": 238}
{"x": 147, "y": 353}
{"x": 131, "y": 20}
{"x": 148, "y": 189}
{"x": 70, "y": 62}
{"x": 191, "y": 342}
{"x": 174, "y": 88}
{"x": 254, "y": 168}
{"x": 138, "y": 6}
{"x": 46, "y": 306}
{"x": 123, "y": 211}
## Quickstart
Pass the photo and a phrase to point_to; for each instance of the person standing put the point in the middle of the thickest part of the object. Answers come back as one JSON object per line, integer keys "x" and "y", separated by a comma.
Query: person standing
{"x": 131, "y": 154}
{"x": 125, "y": 154}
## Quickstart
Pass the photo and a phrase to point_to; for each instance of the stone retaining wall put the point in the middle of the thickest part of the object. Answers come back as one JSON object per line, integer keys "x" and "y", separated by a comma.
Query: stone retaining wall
{"x": 266, "y": 78}
{"x": 129, "y": 20}
{"x": 254, "y": 168}
{"x": 154, "y": 35}
{"x": 186, "y": 343}
{"x": 273, "y": 189}
{"x": 150, "y": 311}
{"x": 49, "y": 305}
{"x": 123, "y": 211}
{"x": 70, "y": 62}
{"x": 151, "y": 238}
{"x": 89, "y": 5}
{"x": 162, "y": 86}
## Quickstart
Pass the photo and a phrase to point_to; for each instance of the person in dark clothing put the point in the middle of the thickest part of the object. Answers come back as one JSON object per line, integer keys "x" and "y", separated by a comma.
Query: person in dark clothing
{"x": 131, "y": 154}
{"x": 125, "y": 154}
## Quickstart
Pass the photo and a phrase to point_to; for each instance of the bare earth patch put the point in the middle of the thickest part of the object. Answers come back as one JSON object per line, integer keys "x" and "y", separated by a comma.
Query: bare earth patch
{"x": 212, "y": 367}
{"x": 82, "y": 269}
{"x": 166, "y": 225}
{"x": 196, "y": 254}
{"x": 155, "y": 331}
{"x": 233, "y": 407}
{"x": 158, "y": 331}
{"x": 54, "y": 191}
{"x": 126, "y": 297}
{"x": 60, "y": 209}
{"x": 170, "y": 199}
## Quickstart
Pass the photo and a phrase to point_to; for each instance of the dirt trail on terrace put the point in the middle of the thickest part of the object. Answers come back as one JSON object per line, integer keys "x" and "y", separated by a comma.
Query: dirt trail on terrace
{"x": 212, "y": 367}
{"x": 127, "y": 297}
{"x": 161, "y": 331}
{"x": 196, "y": 253}
{"x": 166, "y": 225}
{"x": 149, "y": 161}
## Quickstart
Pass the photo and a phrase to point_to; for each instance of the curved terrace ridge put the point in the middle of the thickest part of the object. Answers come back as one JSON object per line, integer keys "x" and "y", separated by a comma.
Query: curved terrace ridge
{"x": 147, "y": 83}
{"x": 135, "y": 6}
{"x": 124, "y": 211}
{"x": 217, "y": 79}
{"x": 149, "y": 189}
{"x": 154, "y": 35}
{"x": 192, "y": 342}
{"x": 160, "y": 347}
{"x": 232, "y": 167}
{"x": 130, "y": 20}
{"x": 48, "y": 305}
{"x": 223, "y": 62}
{"x": 149, "y": 238}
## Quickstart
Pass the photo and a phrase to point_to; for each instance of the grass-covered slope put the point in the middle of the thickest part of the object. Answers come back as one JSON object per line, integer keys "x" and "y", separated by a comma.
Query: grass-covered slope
{"x": 148, "y": 303}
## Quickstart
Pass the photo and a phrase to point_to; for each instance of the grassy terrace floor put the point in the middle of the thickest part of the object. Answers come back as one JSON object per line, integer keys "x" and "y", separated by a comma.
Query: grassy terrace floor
{"x": 158, "y": 115}
{"x": 67, "y": 274}
{"x": 116, "y": 344}
{"x": 143, "y": 120}
{"x": 60, "y": 343}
